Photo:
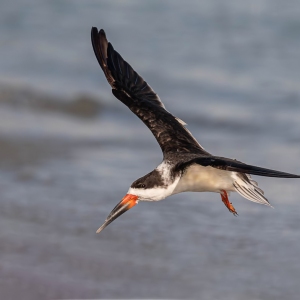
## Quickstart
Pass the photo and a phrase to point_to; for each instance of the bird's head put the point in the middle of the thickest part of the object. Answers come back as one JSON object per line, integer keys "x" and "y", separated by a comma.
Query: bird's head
{"x": 147, "y": 188}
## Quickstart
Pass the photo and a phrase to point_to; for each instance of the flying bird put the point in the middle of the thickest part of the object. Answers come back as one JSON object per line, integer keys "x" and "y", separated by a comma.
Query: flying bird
{"x": 186, "y": 165}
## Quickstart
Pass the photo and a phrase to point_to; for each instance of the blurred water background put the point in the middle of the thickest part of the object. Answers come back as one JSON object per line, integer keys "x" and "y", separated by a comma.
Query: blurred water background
{"x": 69, "y": 150}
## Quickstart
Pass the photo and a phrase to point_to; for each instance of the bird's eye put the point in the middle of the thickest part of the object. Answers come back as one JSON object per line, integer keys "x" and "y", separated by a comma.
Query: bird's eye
{"x": 142, "y": 186}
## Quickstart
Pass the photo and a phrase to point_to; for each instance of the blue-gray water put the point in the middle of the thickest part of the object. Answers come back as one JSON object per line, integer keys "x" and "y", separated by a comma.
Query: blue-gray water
{"x": 230, "y": 69}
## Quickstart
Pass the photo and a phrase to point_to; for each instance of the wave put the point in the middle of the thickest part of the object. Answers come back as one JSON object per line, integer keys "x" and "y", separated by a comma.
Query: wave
{"x": 80, "y": 105}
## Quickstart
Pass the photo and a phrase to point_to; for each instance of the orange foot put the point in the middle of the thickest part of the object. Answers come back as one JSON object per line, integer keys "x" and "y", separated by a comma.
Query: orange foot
{"x": 228, "y": 204}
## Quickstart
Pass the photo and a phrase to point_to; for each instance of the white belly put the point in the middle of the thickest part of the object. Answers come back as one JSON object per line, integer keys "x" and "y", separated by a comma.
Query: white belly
{"x": 204, "y": 179}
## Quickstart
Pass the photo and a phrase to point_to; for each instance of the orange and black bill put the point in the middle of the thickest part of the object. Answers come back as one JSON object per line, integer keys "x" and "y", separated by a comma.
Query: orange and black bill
{"x": 127, "y": 202}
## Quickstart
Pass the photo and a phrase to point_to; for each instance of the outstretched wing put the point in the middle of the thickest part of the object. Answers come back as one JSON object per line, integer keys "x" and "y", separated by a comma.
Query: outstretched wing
{"x": 233, "y": 165}
{"x": 131, "y": 89}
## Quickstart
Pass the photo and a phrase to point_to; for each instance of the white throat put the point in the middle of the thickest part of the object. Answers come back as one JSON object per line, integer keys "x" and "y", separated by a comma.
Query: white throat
{"x": 158, "y": 193}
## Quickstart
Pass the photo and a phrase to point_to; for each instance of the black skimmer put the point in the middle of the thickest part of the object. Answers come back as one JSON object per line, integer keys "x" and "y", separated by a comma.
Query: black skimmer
{"x": 186, "y": 166}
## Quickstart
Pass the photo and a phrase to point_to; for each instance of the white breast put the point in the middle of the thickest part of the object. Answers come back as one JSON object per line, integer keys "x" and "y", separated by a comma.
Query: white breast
{"x": 204, "y": 179}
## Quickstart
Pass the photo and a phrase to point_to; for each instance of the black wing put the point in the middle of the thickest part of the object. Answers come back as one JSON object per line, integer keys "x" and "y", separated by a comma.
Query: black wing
{"x": 131, "y": 89}
{"x": 235, "y": 166}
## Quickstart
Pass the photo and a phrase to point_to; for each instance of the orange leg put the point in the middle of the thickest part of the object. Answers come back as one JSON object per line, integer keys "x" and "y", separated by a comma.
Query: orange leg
{"x": 228, "y": 204}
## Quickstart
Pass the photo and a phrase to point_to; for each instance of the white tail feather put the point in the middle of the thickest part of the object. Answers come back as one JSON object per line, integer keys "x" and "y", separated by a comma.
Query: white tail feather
{"x": 249, "y": 189}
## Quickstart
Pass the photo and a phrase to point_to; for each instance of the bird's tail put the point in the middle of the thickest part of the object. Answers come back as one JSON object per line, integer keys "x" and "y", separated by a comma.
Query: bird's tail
{"x": 249, "y": 189}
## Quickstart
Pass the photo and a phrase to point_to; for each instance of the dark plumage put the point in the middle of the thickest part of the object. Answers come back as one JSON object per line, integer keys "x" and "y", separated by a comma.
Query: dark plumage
{"x": 149, "y": 181}
{"x": 131, "y": 89}
{"x": 186, "y": 165}
{"x": 228, "y": 164}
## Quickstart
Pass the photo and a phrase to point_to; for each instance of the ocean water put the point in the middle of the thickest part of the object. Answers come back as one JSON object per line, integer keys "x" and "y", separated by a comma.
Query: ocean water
{"x": 69, "y": 150}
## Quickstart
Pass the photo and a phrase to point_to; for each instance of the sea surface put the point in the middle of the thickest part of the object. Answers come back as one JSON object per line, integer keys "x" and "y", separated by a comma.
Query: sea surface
{"x": 69, "y": 150}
